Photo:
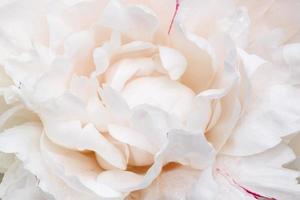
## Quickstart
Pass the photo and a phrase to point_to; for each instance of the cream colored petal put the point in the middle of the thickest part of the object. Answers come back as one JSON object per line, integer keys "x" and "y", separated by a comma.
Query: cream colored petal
{"x": 168, "y": 95}
{"x": 77, "y": 170}
{"x": 119, "y": 180}
{"x": 18, "y": 184}
{"x": 173, "y": 61}
{"x": 273, "y": 114}
{"x": 251, "y": 62}
{"x": 131, "y": 137}
{"x": 79, "y": 48}
{"x": 291, "y": 56}
{"x": 84, "y": 88}
{"x": 125, "y": 18}
{"x": 269, "y": 179}
{"x": 171, "y": 184}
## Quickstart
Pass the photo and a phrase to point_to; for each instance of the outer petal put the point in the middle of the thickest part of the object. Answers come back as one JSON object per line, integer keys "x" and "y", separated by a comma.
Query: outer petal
{"x": 18, "y": 184}
{"x": 24, "y": 140}
{"x": 78, "y": 170}
{"x": 273, "y": 113}
{"x": 269, "y": 179}
{"x": 171, "y": 184}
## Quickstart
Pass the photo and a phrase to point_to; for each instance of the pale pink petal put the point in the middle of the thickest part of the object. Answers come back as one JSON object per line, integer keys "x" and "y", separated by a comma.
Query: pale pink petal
{"x": 273, "y": 114}
{"x": 125, "y": 18}
{"x": 173, "y": 61}
{"x": 77, "y": 170}
{"x": 161, "y": 92}
{"x": 131, "y": 137}
{"x": 171, "y": 184}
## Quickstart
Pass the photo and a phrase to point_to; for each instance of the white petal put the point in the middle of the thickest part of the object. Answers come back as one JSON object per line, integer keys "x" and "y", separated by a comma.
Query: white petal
{"x": 251, "y": 62}
{"x": 231, "y": 110}
{"x": 139, "y": 157}
{"x": 18, "y": 184}
{"x": 127, "y": 18}
{"x": 273, "y": 114}
{"x": 76, "y": 169}
{"x": 58, "y": 31}
{"x": 206, "y": 186}
{"x": 119, "y": 180}
{"x": 171, "y": 184}
{"x": 54, "y": 81}
{"x": 269, "y": 179}
{"x": 161, "y": 92}
{"x": 122, "y": 72}
{"x": 8, "y": 114}
{"x": 84, "y": 88}
{"x": 101, "y": 59}
{"x": 199, "y": 67}
{"x": 153, "y": 124}
{"x": 5, "y": 161}
{"x": 93, "y": 140}
{"x": 130, "y": 136}
{"x": 173, "y": 61}
{"x": 116, "y": 104}
{"x": 24, "y": 140}
{"x": 188, "y": 149}
{"x": 291, "y": 56}
{"x": 200, "y": 115}
{"x": 79, "y": 48}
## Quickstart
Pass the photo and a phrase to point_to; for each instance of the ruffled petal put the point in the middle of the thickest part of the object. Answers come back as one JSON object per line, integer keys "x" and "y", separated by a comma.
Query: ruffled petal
{"x": 125, "y": 18}
{"x": 173, "y": 61}
{"x": 272, "y": 115}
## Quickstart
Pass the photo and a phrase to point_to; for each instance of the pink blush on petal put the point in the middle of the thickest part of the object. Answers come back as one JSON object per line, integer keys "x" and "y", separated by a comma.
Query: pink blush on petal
{"x": 174, "y": 15}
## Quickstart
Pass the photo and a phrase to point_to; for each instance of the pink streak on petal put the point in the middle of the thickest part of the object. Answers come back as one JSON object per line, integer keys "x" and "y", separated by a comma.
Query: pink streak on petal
{"x": 254, "y": 194}
{"x": 174, "y": 15}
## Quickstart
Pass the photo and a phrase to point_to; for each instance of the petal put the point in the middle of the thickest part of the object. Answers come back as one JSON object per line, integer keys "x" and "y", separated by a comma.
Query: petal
{"x": 173, "y": 61}
{"x": 79, "y": 48}
{"x": 188, "y": 149}
{"x": 153, "y": 124}
{"x": 4, "y": 117}
{"x": 5, "y": 161}
{"x": 231, "y": 110}
{"x": 269, "y": 180}
{"x": 251, "y": 62}
{"x": 200, "y": 115}
{"x": 87, "y": 138}
{"x": 206, "y": 186}
{"x": 199, "y": 67}
{"x": 91, "y": 139}
{"x": 168, "y": 95}
{"x": 78, "y": 170}
{"x": 84, "y": 88}
{"x": 273, "y": 114}
{"x": 127, "y": 18}
{"x": 101, "y": 59}
{"x": 58, "y": 31}
{"x": 130, "y": 136}
{"x": 119, "y": 180}
{"x": 116, "y": 104}
{"x": 171, "y": 184}
{"x": 291, "y": 56}
{"x": 54, "y": 81}
{"x": 19, "y": 184}
{"x": 97, "y": 114}
{"x": 24, "y": 140}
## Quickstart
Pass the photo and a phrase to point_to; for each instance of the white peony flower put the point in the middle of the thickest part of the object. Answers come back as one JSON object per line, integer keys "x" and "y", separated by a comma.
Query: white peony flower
{"x": 173, "y": 99}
